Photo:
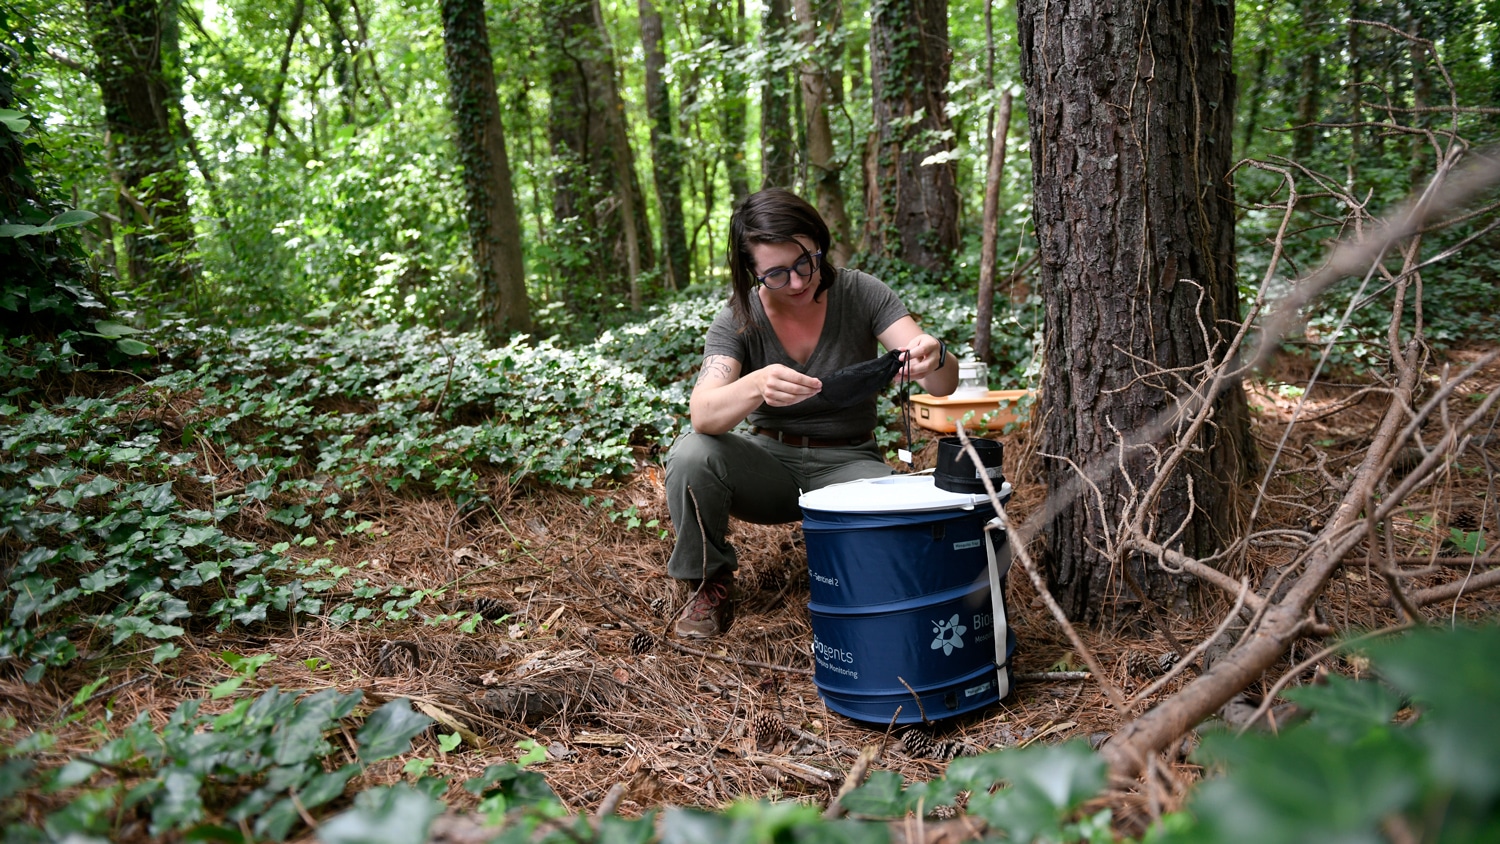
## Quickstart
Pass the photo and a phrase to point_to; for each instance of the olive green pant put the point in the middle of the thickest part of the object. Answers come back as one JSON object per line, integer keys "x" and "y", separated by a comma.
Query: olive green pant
{"x": 752, "y": 478}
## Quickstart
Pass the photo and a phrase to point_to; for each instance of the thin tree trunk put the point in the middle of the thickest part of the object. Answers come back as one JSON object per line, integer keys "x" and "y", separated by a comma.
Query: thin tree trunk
{"x": 494, "y": 226}
{"x": 726, "y": 25}
{"x": 1305, "y": 135}
{"x": 985, "y": 319}
{"x": 825, "y": 170}
{"x": 778, "y": 145}
{"x": 626, "y": 191}
{"x": 273, "y": 110}
{"x": 666, "y": 153}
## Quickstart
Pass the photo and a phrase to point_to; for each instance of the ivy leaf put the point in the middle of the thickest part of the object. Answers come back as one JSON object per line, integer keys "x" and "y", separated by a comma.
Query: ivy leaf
{"x": 880, "y": 797}
{"x": 301, "y": 737}
{"x": 134, "y": 348}
{"x": 13, "y": 120}
{"x": 179, "y": 803}
{"x": 113, "y": 330}
{"x": 519, "y": 786}
{"x": 396, "y": 815}
{"x": 15, "y": 776}
{"x": 389, "y": 730}
{"x": 326, "y": 786}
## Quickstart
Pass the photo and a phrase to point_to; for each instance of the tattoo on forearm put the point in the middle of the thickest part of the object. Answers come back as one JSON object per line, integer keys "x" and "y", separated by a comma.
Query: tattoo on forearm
{"x": 713, "y": 365}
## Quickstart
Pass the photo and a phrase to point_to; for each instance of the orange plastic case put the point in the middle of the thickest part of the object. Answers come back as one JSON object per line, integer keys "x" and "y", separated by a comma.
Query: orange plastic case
{"x": 944, "y": 414}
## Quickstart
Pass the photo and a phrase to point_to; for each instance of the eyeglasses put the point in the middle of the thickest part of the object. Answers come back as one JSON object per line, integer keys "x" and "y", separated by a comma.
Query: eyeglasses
{"x": 782, "y": 276}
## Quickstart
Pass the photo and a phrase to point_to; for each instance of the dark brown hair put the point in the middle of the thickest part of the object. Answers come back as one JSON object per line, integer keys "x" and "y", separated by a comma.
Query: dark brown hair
{"x": 773, "y": 215}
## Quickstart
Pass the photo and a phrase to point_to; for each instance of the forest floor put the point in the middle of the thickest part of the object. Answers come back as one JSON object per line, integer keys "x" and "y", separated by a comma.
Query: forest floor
{"x": 670, "y": 722}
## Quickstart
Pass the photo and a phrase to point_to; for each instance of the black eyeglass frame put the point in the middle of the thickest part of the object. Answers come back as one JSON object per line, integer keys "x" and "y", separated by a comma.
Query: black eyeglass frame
{"x": 814, "y": 261}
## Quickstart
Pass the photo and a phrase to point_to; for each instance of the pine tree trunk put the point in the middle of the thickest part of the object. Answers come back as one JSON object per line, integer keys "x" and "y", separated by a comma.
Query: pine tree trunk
{"x": 141, "y": 115}
{"x": 666, "y": 153}
{"x": 1131, "y": 108}
{"x": 911, "y": 208}
{"x": 494, "y": 225}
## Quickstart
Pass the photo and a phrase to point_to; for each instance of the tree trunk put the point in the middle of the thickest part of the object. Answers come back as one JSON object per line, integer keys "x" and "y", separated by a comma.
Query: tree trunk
{"x": 1309, "y": 85}
{"x": 778, "y": 138}
{"x": 143, "y": 147}
{"x": 666, "y": 154}
{"x": 911, "y": 207}
{"x": 494, "y": 226}
{"x": 273, "y": 111}
{"x": 725, "y": 22}
{"x": 599, "y": 217}
{"x": 985, "y": 318}
{"x": 1131, "y": 110}
{"x": 824, "y": 168}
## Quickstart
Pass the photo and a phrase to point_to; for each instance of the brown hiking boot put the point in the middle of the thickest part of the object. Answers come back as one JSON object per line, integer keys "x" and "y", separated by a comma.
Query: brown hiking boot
{"x": 710, "y": 611}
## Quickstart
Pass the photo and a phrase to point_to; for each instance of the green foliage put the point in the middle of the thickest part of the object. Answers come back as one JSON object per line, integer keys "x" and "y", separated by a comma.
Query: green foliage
{"x": 263, "y": 763}
{"x": 1363, "y": 764}
{"x": 47, "y": 284}
{"x": 1419, "y": 752}
{"x": 135, "y": 513}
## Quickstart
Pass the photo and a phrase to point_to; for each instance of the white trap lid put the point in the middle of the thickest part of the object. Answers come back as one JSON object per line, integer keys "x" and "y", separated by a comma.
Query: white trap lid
{"x": 893, "y": 494}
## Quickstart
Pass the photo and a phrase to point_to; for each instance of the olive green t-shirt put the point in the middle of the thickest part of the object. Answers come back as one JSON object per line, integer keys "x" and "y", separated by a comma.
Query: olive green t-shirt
{"x": 860, "y": 306}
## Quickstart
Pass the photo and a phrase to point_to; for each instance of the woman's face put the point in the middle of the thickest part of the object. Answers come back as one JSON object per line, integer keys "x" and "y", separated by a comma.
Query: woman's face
{"x": 792, "y": 286}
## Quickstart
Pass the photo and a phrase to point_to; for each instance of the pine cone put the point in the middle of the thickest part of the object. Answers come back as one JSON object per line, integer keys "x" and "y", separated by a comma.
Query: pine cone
{"x": 1465, "y": 520}
{"x": 1166, "y": 662}
{"x": 1141, "y": 664}
{"x": 917, "y": 743}
{"x": 659, "y": 607}
{"x": 949, "y": 750}
{"x": 944, "y": 813}
{"x": 641, "y": 643}
{"x": 767, "y": 730}
{"x": 398, "y": 658}
{"x": 491, "y": 608}
{"x": 771, "y": 578}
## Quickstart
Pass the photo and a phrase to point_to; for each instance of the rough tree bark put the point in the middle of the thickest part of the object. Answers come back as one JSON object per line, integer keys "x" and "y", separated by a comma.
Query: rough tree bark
{"x": 494, "y": 226}
{"x": 911, "y": 207}
{"x": 145, "y": 155}
{"x": 824, "y": 168}
{"x": 599, "y": 214}
{"x": 1131, "y": 109}
{"x": 666, "y": 154}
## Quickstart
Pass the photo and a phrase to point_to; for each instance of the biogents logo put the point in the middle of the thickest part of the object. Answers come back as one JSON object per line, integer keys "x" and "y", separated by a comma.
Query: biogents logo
{"x": 823, "y": 651}
{"x": 950, "y": 635}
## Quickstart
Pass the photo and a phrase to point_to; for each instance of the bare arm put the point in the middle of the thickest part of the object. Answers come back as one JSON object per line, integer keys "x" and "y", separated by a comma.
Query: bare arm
{"x": 722, "y": 399}
{"x": 922, "y": 353}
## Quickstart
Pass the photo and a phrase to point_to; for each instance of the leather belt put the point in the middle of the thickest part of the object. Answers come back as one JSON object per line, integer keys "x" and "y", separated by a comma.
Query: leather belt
{"x": 812, "y": 442}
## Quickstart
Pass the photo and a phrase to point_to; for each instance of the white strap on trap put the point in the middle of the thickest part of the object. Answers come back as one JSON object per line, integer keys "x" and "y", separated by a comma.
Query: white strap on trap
{"x": 999, "y": 567}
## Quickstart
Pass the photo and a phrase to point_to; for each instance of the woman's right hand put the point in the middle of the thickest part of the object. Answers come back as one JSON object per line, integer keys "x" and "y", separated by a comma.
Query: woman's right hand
{"x": 781, "y": 385}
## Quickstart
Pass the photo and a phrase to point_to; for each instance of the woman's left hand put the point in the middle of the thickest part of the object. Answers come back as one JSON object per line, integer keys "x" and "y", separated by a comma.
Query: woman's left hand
{"x": 922, "y": 355}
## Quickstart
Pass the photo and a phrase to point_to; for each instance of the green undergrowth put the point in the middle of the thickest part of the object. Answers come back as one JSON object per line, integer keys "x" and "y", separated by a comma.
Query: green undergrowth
{"x": 1416, "y": 751}
{"x": 208, "y": 489}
